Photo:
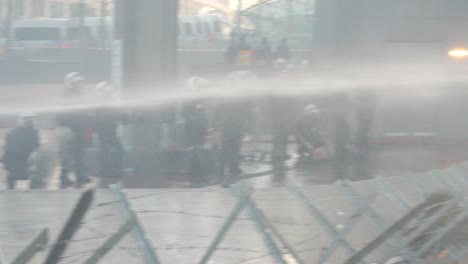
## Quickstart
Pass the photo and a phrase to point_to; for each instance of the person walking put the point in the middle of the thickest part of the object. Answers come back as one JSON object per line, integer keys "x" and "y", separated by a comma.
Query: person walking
{"x": 196, "y": 125}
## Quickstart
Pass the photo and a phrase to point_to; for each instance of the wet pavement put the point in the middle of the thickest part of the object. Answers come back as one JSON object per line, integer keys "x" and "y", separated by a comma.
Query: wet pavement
{"x": 384, "y": 161}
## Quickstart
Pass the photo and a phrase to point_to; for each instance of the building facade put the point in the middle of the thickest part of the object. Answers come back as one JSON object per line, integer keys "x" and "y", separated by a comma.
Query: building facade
{"x": 51, "y": 8}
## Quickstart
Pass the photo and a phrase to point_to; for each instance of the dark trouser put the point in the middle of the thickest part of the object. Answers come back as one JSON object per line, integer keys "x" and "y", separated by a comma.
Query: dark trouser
{"x": 19, "y": 172}
{"x": 11, "y": 180}
{"x": 195, "y": 164}
{"x": 363, "y": 146}
{"x": 231, "y": 153}
{"x": 280, "y": 143}
{"x": 76, "y": 163}
{"x": 341, "y": 151}
{"x": 110, "y": 166}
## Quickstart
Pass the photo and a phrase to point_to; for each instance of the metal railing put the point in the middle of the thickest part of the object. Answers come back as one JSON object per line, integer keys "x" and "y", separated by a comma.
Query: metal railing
{"x": 415, "y": 218}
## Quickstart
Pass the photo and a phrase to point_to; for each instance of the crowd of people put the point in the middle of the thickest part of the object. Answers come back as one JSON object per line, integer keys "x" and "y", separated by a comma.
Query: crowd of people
{"x": 233, "y": 118}
{"x": 76, "y": 129}
{"x": 238, "y": 120}
{"x": 240, "y": 52}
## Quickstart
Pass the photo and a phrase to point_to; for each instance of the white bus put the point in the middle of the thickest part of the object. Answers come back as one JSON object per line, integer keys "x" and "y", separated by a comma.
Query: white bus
{"x": 200, "y": 31}
{"x": 59, "y": 32}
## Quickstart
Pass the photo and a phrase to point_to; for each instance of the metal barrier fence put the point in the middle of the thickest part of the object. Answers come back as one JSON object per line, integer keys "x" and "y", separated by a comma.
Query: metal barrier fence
{"x": 414, "y": 218}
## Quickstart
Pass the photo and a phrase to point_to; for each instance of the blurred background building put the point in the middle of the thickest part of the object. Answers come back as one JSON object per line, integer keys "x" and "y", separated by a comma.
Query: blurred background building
{"x": 50, "y": 8}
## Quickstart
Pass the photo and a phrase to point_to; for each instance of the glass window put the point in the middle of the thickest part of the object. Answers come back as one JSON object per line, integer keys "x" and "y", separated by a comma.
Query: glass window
{"x": 207, "y": 26}
{"x": 37, "y": 33}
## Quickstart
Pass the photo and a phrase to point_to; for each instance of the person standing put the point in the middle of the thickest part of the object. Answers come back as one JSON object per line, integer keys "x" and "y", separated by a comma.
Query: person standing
{"x": 231, "y": 53}
{"x": 196, "y": 126}
{"x": 283, "y": 51}
{"x": 308, "y": 135}
{"x": 366, "y": 106}
{"x": 20, "y": 143}
{"x": 235, "y": 116}
{"x": 342, "y": 135}
{"x": 110, "y": 147}
{"x": 74, "y": 134}
{"x": 264, "y": 53}
{"x": 244, "y": 53}
{"x": 281, "y": 111}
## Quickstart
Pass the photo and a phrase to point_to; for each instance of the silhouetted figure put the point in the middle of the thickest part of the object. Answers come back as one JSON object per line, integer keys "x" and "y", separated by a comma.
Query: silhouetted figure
{"x": 231, "y": 53}
{"x": 74, "y": 134}
{"x": 365, "y": 110}
{"x": 308, "y": 135}
{"x": 244, "y": 52}
{"x": 283, "y": 51}
{"x": 110, "y": 148}
{"x": 264, "y": 53}
{"x": 235, "y": 116}
{"x": 243, "y": 43}
{"x": 342, "y": 135}
{"x": 20, "y": 143}
{"x": 196, "y": 123}
{"x": 74, "y": 138}
{"x": 282, "y": 123}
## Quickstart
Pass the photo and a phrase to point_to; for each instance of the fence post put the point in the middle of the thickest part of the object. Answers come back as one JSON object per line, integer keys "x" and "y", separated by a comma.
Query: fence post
{"x": 388, "y": 188}
{"x": 353, "y": 196}
{"x": 110, "y": 243}
{"x": 2, "y": 257}
{"x": 443, "y": 233}
{"x": 281, "y": 239}
{"x": 225, "y": 227}
{"x": 418, "y": 184}
{"x": 70, "y": 228}
{"x": 347, "y": 228}
{"x": 315, "y": 212}
{"x": 460, "y": 170}
{"x": 452, "y": 180}
{"x": 35, "y": 246}
{"x": 387, "y": 234}
{"x": 449, "y": 205}
{"x": 256, "y": 215}
{"x": 455, "y": 171}
{"x": 139, "y": 232}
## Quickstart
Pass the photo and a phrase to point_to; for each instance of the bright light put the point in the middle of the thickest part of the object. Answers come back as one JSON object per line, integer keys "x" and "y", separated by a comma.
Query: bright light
{"x": 458, "y": 53}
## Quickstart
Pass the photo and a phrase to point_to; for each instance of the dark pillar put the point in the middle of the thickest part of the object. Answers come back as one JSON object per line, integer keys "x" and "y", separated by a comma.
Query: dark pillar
{"x": 149, "y": 33}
